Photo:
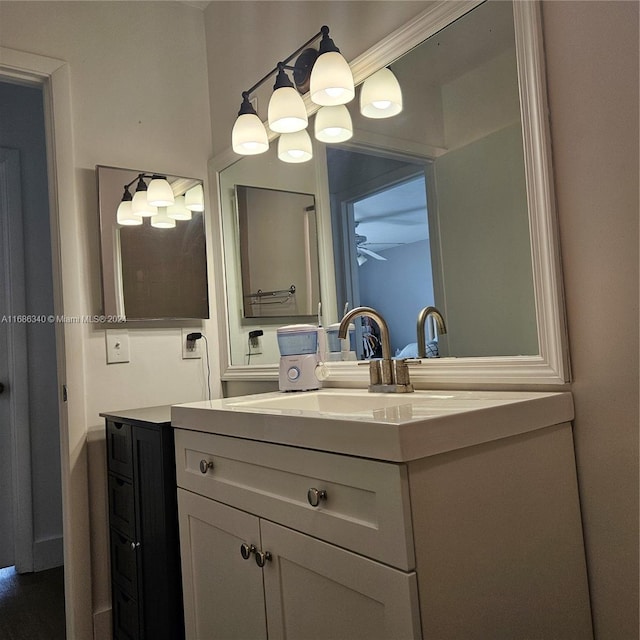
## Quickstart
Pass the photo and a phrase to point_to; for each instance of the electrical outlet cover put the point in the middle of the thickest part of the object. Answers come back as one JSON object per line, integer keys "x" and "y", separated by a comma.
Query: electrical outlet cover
{"x": 117, "y": 344}
{"x": 196, "y": 352}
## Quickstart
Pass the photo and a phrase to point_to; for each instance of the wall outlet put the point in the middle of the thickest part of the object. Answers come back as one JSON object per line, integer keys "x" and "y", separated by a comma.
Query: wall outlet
{"x": 191, "y": 348}
{"x": 255, "y": 346}
{"x": 117, "y": 344}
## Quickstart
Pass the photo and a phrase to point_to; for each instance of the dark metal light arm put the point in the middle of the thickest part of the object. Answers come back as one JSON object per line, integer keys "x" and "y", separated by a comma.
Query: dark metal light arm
{"x": 324, "y": 31}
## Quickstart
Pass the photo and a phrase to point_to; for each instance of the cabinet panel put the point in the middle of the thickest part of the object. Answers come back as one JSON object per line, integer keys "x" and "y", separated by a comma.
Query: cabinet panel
{"x": 223, "y": 593}
{"x": 317, "y": 591}
{"x": 121, "y": 506}
{"x": 366, "y": 507}
{"x": 124, "y": 568}
{"x": 125, "y": 616}
{"x": 119, "y": 448}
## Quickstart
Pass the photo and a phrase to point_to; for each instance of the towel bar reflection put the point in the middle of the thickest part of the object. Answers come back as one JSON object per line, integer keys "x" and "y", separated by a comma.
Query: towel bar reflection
{"x": 280, "y": 296}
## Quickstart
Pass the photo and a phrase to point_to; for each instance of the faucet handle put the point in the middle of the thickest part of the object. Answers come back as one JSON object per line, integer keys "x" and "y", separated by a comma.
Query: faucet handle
{"x": 375, "y": 371}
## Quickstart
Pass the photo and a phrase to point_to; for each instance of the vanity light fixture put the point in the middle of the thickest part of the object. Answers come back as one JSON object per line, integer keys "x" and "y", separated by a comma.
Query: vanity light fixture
{"x": 381, "y": 95}
{"x": 324, "y": 72}
{"x": 287, "y": 113}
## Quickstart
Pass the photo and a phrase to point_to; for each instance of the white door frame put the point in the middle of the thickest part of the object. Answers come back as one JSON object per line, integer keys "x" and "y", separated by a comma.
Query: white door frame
{"x": 53, "y": 76}
{"x": 18, "y": 387}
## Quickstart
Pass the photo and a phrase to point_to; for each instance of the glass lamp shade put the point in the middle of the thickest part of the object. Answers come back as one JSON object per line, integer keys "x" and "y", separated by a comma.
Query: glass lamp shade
{"x": 331, "y": 81}
{"x": 160, "y": 193}
{"x": 295, "y": 147}
{"x": 381, "y": 96}
{"x": 140, "y": 206}
{"x": 161, "y": 220}
{"x": 249, "y": 137}
{"x": 333, "y": 124}
{"x": 194, "y": 198}
{"x": 287, "y": 112}
{"x": 178, "y": 210}
{"x": 125, "y": 216}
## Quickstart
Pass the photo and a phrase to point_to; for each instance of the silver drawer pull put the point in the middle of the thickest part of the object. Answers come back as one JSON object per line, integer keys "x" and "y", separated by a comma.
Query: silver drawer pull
{"x": 314, "y": 496}
{"x": 246, "y": 550}
{"x": 262, "y": 557}
{"x": 205, "y": 465}
{"x": 134, "y": 546}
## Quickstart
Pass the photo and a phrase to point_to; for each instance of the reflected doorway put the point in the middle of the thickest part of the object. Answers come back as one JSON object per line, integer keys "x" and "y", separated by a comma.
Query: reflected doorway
{"x": 380, "y": 217}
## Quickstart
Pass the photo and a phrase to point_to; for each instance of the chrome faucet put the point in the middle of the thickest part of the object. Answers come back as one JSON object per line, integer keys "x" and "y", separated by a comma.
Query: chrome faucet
{"x": 386, "y": 375}
{"x": 422, "y": 319}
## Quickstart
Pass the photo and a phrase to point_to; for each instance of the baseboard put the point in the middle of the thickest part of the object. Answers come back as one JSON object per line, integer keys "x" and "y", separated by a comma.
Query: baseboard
{"x": 102, "y": 625}
{"x": 47, "y": 553}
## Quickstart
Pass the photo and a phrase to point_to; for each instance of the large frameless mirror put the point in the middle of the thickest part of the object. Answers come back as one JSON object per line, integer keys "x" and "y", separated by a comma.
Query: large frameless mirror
{"x": 448, "y": 203}
{"x": 154, "y": 263}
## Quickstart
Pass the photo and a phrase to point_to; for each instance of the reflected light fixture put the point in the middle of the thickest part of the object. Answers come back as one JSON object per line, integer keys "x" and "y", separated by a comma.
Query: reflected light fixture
{"x": 381, "y": 96}
{"x": 161, "y": 220}
{"x": 333, "y": 124}
{"x": 132, "y": 209}
{"x": 159, "y": 192}
{"x": 295, "y": 147}
{"x": 194, "y": 198}
{"x": 178, "y": 210}
{"x": 125, "y": 215}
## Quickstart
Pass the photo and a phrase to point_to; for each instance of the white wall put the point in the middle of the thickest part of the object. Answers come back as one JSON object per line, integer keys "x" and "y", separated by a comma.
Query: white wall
{"x": 139, "y": 99}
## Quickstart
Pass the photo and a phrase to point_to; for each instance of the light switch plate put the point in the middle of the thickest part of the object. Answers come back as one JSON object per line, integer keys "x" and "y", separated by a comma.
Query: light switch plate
{"x": 117, "y": 343}
{"x": 196, "y": 350}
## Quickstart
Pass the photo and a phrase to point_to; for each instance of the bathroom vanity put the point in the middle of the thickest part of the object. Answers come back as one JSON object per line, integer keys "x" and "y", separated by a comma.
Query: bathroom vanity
{"x": 345, "y": 514}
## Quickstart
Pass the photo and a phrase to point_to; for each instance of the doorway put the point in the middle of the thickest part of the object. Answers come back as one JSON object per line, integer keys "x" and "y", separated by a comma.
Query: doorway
{"x": 30, "y": 470}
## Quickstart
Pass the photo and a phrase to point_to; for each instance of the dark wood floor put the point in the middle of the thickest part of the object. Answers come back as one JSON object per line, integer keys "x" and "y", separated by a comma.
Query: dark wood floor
{"x": 32, "y": 605}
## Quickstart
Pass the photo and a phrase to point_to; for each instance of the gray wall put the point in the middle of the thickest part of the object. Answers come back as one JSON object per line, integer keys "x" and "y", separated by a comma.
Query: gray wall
{"x": 22, "y": 128}
{"x": 592, "y": 70}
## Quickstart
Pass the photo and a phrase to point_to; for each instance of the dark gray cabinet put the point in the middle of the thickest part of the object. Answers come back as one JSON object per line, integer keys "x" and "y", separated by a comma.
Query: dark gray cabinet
{"x": 143, "y": 525}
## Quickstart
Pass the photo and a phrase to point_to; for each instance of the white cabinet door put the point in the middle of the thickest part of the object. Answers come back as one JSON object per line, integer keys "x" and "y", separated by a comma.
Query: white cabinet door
{"x": 223, "y": 592}
{"x": 317, "y": 591}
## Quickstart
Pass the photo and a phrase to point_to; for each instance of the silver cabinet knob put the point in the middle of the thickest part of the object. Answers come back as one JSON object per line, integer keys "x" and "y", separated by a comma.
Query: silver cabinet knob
{"x": 262, "y": 557}
{"x": 134, "y": 546}
{"x": 246, "y": 550}
{"x": 205, "y": 465}
{"x": 314, "y": 496}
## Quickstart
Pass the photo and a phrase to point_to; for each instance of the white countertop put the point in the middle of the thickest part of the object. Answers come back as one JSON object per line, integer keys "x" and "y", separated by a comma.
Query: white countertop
{"x": 393, "y": 427}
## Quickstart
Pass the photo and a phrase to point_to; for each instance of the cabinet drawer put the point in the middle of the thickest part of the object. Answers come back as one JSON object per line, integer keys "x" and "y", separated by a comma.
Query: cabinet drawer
{"x": 121, "y": 506}
{"x": 119, "y": 448}
{"x": 126, "y": 625}
{"x": 124, "y": 565}
{"x": 366, "y": 508}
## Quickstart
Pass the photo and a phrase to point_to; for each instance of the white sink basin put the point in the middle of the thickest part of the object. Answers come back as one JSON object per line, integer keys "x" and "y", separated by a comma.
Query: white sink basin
{"x": 395, "y": 427}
